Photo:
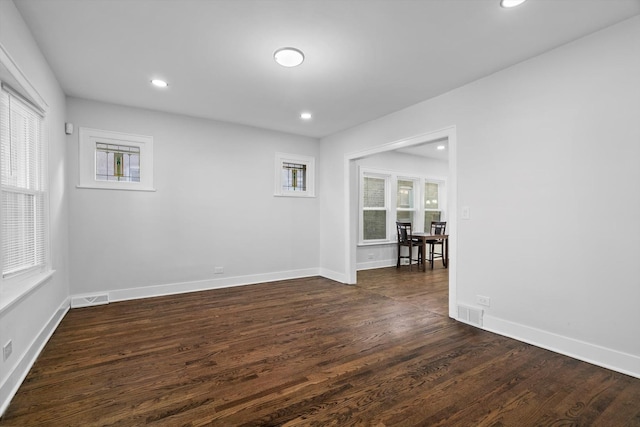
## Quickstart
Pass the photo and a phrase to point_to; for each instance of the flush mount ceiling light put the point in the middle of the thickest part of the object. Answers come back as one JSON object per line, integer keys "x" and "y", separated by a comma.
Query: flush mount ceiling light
{"x": 288, "y": 56}
{"x": 159, "y": 83}
{"x": 440, "y": 147}
{"x": 305, "y": 116}
{"x": 511, "y": 3}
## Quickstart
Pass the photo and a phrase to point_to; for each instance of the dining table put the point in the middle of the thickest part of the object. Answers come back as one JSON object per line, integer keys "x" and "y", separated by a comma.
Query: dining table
{"x": 425, "y": 238}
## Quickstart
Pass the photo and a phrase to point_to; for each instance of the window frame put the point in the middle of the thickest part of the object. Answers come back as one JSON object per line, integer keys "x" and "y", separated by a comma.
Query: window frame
{"x": 441, "y": 186}
{"x": 416, "y": 192}
{"x": 88, "y": 138}
{"x": 373, "y": 173}
{"x": 308, "y": 161}
{"x": 14, "y": 284}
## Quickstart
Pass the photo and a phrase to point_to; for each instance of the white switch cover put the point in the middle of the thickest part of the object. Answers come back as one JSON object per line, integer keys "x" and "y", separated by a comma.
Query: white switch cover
{"x": 466, "y": 212}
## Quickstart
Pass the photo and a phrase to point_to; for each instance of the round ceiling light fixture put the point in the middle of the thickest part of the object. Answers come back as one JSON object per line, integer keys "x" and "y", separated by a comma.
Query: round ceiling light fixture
{"x": 511, "y": 3}
{"x": 159, "y": 83}
{"x": 305, "y": 116}
{"x": 288, "y": 56}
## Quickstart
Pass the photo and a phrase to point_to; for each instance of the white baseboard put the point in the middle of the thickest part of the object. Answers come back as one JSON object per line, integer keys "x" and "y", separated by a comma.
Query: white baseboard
{"x": 11, "y": 385}
{"x": 370, "y": 265}
{"x": 205, "y": 285}
{"x": 333, "y": 275}
{"x": 625, "y": 363}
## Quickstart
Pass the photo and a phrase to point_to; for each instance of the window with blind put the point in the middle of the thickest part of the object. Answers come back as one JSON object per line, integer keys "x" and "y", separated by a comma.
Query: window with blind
{"x": 418, "y": 199}
{"x": 375, "y": 207}
{"x": 23, "y": 185}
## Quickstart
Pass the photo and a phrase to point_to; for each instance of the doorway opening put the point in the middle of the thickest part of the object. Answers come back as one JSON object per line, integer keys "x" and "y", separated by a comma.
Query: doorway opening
{"x": 414, "y": 146}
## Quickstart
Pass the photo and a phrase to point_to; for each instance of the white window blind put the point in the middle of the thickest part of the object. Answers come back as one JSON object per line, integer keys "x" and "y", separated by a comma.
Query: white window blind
{"x": 375, "y": 209}
{"x": 23, "y": 186}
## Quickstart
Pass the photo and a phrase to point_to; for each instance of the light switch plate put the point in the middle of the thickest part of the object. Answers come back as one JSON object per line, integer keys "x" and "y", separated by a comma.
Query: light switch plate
{"x": 466, "y": 212}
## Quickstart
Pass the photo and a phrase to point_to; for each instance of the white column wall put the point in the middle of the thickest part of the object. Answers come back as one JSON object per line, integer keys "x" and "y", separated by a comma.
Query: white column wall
{"x": 548, "y": 163}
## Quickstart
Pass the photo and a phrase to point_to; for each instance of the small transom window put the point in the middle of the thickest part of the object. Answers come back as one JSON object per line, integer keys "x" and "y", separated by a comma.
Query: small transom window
{"x": 294, "y": 175}
{"x": 115, "y": 160}
{"x": 117, "y": 163}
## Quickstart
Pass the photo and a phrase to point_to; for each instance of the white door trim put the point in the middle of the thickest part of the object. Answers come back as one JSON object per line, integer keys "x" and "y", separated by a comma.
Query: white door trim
{"x": 351, "y": 214}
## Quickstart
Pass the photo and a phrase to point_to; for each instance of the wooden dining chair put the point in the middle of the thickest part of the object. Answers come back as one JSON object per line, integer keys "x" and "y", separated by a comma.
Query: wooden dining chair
{"x": 437, "y": 227}
{"x": 405, "y": 239}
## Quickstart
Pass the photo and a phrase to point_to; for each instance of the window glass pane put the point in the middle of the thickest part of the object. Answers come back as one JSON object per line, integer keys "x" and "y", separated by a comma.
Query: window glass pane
{"x": 430, "y": 216}
{"x": 405, "y": 194}
{"x": 430, "y": 195}
{"x": 375, "y": 225}
{"x": 294, "y": 177}
{"x": 405, "y": 216}
{"x": 373, "y": 193}
{"x": 117, "y": 163}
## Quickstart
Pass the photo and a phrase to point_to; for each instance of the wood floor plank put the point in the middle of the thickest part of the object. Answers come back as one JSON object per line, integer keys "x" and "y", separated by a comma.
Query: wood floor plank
{"x": 308, "y": 352}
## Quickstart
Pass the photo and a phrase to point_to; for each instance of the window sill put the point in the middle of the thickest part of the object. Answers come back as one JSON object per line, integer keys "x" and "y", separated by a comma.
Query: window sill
{"x": 116, "y": 188}
{"x": 303, "y": 196}
{"x": 379, "y": 243}
{"x": 12, "y": 294}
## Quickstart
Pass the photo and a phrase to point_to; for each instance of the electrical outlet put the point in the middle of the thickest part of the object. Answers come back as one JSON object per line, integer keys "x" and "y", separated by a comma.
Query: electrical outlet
{"x": 486, "y": 301}
{"x": 218, "y": 270}
{"x": 7, "y": 350}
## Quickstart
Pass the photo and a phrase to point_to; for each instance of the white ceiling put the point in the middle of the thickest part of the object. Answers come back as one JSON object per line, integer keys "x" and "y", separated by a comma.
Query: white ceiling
{"x": 364, "y": 58}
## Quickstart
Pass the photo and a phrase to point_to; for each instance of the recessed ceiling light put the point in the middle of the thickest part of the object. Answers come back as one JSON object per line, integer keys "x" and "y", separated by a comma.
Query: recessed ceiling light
{"x": 159, "y": 83}
{"x": 511, "y": 3}
{"x": 440, "y": 147}
{"x": 288, "y": 56}
{"x": 305, "y": 116}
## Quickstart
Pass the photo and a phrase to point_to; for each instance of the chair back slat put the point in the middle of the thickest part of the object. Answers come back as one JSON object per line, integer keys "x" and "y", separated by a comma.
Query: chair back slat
{"x": 438, "y": 227}
{"x": 404, "y": 231}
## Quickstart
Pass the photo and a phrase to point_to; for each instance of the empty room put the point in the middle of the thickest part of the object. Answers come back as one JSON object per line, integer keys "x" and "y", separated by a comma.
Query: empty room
{"x": 320, "y": 212}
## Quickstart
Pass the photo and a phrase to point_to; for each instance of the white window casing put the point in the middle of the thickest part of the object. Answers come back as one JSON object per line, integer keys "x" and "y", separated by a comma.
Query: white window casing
{"x": 94, "y": 143}
{"x": 24, "y": 204}
{"x": 294, "y": 175}
{"x": 375, "y": 207}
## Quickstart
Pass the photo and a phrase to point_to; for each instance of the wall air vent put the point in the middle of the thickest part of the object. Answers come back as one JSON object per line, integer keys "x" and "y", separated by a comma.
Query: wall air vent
{"x": 89, "y": 300}
{"x": 470, "y": 315}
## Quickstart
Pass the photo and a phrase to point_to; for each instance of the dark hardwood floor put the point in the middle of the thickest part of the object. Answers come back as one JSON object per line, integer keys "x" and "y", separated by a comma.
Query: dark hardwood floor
{"x": 308, "y": 352}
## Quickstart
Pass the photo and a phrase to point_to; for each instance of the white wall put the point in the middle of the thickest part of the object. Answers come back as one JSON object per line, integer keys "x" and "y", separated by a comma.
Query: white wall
{"x": 30, "y": 320}
{"x": 214, "y": 207}
{"x": 539, "y": 146}
{"x": 385, "y": 255}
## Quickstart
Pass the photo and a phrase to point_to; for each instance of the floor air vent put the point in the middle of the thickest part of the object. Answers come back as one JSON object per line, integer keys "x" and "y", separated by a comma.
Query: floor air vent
{"x": 89, "y": 300}
{"x": 470, "y": 315}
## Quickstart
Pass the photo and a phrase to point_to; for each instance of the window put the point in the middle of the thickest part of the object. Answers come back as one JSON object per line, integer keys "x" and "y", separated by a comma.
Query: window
{"x": 114, "y": 160}
{"x": 294, "y": 175}
{"x": 432, "y": 210}
{"x": 418, "y": 200}
{"x": 374, "y": 212}
{"x": 117, "y": 163}
{"x": 23, "y": 185}
{"x": 405, "y": 201}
